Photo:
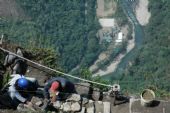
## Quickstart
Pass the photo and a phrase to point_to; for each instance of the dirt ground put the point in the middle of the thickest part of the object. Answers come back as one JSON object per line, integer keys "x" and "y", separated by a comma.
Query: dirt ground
{"x": 142, "y": 13}
{"x": 10, "y": 9}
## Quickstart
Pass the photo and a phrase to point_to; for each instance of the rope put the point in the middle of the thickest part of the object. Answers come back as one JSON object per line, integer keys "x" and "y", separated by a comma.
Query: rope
{"x": 69, "y": 75}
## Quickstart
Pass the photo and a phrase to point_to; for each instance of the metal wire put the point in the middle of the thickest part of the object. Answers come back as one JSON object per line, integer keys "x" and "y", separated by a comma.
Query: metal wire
{"x": 69, "y": 75}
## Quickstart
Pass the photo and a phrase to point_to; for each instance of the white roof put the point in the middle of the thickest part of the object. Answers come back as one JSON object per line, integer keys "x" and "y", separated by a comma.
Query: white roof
{"x": 107, "y": 22}
{"x": 120, "y": 36}
{"x": 118, "y": 41}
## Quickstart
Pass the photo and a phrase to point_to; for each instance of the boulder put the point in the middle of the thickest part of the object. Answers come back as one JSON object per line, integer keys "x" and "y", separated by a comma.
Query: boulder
{"x": 74, "y": 97}
{"x": 96, "y": 94}
{"x": 67, "y": 106}
{"x": 84, "y": 101}
{"x": 106, "y": 96}
{"x": 98, "y": 107}
{"x": 83, "y": 109}
{"x": 39, "y": 103}
{"x": 21, "y": 108}
{"x": 106, "y": 108}
{"x": 83, "y": 89}
{"x": 75, "y": 107}
{"x": 90, "y": 107}
{"x": 90, "y": 110}
{"x": 35, "y": 100}
{"x": 57, "y": 104}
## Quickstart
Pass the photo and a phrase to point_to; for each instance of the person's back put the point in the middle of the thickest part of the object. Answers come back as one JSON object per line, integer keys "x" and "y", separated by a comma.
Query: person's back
{"x": 16, "y": 93}
{"x": 66, "y": 87}
{"x": 57, "y": 88}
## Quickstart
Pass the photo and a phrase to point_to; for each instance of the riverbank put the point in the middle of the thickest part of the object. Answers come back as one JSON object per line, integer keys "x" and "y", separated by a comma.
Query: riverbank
{"x": 113, "y": 65}
{"x": 142, "y": 13}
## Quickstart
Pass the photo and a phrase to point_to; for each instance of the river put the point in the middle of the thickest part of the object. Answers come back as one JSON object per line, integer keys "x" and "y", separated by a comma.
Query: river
{"x": 139, "y": 36}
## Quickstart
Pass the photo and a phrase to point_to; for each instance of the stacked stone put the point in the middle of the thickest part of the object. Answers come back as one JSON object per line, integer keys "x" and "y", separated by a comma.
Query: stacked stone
{"x": 85, "y": 101}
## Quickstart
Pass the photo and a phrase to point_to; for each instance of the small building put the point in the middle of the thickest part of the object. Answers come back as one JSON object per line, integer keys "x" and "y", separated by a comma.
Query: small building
{"x": 119, "y": 38}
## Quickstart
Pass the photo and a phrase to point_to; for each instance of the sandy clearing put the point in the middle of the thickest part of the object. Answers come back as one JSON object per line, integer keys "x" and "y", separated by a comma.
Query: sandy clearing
{"x": 142, "y": 13}
{"x": 113, "y": 65}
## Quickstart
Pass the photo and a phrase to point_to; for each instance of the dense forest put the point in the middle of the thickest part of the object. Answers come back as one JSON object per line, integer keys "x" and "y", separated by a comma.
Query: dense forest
{"x": 67, "y": 26}
{"x": 151, "y": 67}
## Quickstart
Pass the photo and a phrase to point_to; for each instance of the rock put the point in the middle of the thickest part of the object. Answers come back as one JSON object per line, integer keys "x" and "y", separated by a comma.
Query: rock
{"x": 67, "y": 107}
{"x": 39, "y": 103}
{"x": 20, "y": 107}
{"x": 83, "y": 89}
{"x": 57, "y": 104}
{"x": 75, "y": 107}
{"x": 91, "y": 101}
{"x": 100, "y": 102}
{"x": 106, "y": 108}
{"x": 84, "y": 101}
{"x": 106, "y": 96}
{"x": 61, "y": 107}
{"x": 96, "y": 94}
{"x": 98, "y": 107}
{"x": 34, "y": 100}
{"x": 83, "y": 109}
{"x": 91, "y": 110}
{"x": 90, "y": 107}
{"x": 74, "y": 97}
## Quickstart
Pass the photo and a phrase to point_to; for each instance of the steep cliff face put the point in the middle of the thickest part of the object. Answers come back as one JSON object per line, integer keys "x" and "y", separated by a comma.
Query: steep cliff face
{"x": 88, "y": 99}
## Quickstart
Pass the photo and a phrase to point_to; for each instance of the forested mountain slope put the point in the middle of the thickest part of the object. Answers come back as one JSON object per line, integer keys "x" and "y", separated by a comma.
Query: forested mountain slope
{"x": 67, "y": 26}
{"x": 151, "y": 67}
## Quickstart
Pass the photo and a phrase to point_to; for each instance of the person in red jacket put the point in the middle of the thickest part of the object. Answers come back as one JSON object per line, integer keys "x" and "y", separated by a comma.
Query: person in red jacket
{"x": 57, "y": 88}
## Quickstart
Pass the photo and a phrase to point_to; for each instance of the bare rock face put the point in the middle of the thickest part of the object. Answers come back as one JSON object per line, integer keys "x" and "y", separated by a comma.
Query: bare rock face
{"x": 75, "y": 107}
{"x": 74, "y": 97}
